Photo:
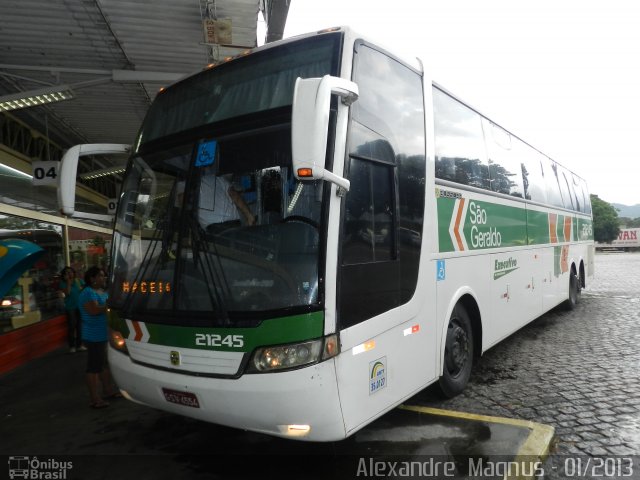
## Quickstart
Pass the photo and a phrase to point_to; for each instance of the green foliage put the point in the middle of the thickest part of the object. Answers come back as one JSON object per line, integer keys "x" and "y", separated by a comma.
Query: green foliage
{"x": 606, "y": 224}
{"x": 627, "y": 222}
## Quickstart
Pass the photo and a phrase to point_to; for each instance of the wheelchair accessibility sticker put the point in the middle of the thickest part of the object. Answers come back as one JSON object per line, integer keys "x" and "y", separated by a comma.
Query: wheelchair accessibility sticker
{"x": 441, "y": 274}
{"x": 206, "y": 153}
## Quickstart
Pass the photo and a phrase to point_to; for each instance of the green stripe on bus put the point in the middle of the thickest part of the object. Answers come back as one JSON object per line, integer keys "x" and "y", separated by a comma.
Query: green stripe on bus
{"x": 470, "y": 224}
{"x": 490, "y": 225}
{"x": 270, "y": 332}
{"x": 537, "y": 227}
{"x": 445, "y": 212}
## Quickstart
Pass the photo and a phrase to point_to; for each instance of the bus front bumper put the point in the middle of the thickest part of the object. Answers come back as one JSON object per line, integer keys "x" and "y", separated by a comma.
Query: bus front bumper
{"x": 301, "y": 404}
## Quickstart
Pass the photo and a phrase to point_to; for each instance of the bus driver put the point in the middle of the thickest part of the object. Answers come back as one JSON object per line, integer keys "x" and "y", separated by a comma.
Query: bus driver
{"x": 221, "y": 203}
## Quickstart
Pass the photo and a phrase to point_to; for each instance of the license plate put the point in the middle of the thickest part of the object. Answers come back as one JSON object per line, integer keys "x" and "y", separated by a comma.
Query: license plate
{"x": 187, "y": 399}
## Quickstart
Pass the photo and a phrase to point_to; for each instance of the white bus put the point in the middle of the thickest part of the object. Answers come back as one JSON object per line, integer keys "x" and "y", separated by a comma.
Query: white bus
{"x": 313, "y": 232}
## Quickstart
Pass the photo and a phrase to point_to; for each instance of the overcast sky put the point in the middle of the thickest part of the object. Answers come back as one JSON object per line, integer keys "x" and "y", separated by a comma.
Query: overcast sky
{"x": 564, "y": 75}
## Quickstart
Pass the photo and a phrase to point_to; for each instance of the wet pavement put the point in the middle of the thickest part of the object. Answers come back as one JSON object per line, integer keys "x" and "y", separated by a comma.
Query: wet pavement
{"x": 576, "y": 371}
{"x": 45, "y": 416}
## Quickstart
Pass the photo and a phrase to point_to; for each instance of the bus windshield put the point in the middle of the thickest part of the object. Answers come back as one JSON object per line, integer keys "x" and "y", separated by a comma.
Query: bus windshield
{"x": 259, "y": 82}
{"x": 212, "y": 228}
{"x": 219, "y": 227}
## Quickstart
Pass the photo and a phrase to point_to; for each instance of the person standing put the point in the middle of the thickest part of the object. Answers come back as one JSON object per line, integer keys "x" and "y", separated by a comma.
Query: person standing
{"x": 93, "y": 307}
{"x": 70, "y": 288}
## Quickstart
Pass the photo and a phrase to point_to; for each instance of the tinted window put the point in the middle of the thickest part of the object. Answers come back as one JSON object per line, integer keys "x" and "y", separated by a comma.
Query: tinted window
{"x": 564, "y": 186}
{"x": 368, "y": 228}
{"x": 587, "y": 198}
{"x": 550, "y": 172}
{"x": 390, "y": 103}
{"x": 570, "y": 200}
{"x": 577, "y": 188}
{"x": 505, "y": 169}
{"x": 384, "y": 209}
{"x": 255, "y": 83}
{"x": 532, "y": 172}
{"x": 366, "y": 143}
{"x": 459, "y": 143}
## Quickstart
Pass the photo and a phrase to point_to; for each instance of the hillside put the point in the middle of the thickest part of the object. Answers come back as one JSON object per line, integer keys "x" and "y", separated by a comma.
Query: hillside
{"x": 627, "y": 211}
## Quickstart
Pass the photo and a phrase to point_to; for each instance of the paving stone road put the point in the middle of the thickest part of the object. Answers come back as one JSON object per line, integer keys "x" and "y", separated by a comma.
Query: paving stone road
{"x": 578, "y": 371}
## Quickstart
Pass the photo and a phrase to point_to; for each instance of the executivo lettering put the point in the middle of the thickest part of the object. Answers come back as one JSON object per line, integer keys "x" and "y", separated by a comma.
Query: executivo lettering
{"x": 504, "y": 267}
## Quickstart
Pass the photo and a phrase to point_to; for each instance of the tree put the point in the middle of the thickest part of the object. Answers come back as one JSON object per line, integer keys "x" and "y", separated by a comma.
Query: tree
{"x": 606, "y": 224}
{"x": 629, "y": 222}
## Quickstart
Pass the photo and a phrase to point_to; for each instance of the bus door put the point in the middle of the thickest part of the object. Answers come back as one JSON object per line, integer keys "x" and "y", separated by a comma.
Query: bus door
{"x": 387, "y": 327}
{"x": 388, "y": 339}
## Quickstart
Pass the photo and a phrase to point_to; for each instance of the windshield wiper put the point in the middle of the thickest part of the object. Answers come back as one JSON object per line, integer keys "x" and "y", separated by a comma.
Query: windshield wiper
{"x": 217, "y": 287}
{"x": 153, "y": 243}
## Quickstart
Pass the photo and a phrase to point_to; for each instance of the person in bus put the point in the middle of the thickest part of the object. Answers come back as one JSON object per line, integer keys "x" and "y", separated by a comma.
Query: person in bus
{"x": 221, "y": 204}
{"x": 93, "y": 307}
{"x": 70, "y": 288}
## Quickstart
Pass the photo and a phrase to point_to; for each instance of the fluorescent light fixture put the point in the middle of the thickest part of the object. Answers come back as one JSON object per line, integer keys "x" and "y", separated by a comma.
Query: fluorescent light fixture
{"x": 33, "y": 98}
{"x": 16, "y": 171}
{"x": 102, "y": 173}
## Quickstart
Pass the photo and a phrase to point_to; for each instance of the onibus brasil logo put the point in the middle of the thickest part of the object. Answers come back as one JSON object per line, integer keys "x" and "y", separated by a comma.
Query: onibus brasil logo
{"x": 40, "y": 469}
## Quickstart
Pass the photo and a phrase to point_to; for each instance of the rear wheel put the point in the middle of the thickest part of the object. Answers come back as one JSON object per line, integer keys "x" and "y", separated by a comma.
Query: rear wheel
{"x": 574, "y": 291}
{"x": 458, "y": 354}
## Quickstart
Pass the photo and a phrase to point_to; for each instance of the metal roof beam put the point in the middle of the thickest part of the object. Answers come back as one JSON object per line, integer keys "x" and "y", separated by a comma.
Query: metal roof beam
{"x": 123, "y": 76}
{"x": 276, "y": 17}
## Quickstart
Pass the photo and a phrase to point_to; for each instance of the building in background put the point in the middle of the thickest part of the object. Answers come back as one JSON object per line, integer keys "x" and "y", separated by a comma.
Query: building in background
{"x": 100, "y": 67}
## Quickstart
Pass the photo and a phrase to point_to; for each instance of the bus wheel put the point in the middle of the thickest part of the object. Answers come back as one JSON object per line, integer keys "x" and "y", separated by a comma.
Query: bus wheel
{"x": 574, "y": 292}
{"x": 458, "y": 354}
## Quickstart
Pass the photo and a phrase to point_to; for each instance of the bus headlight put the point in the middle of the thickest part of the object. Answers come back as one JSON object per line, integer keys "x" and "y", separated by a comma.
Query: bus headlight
{"x": 116, "y": 340}
{"x": 293, "y": 355}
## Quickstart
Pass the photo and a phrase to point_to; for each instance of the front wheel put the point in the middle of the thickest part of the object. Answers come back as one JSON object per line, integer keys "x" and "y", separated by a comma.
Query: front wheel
{"x": 458, "y": 354}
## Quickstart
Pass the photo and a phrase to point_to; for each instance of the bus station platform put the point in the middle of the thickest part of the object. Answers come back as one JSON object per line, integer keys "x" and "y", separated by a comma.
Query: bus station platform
{"x": 46, "y": 425}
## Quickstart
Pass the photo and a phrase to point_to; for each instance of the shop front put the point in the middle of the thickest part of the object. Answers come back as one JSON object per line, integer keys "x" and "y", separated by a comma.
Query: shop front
{"x": 35, "y": 244}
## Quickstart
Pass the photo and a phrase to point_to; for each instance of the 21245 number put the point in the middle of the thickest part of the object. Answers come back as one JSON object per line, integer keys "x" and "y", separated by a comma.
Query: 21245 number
{"x": 215, "y": 340}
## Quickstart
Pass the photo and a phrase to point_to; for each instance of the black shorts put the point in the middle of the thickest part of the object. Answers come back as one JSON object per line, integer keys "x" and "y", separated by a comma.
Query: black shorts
{"x": 96, "y": 356}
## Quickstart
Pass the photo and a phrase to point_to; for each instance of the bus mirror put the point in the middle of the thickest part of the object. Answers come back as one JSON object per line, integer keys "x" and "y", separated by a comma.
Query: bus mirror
{"x": 69, "y": 170}
{"x": 310, "y": 125}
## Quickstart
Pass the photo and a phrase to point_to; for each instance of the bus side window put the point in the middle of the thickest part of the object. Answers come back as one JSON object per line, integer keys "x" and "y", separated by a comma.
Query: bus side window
{"x": 587, "y": 198}
{"x": 459, "y": 143}
{"x": 505, "y": 170}
{"x": 554, "y": 196}
{"x": 575, "y": 205}
{"x": 532, "y": 172}
{"x": 577, "y": 188}
{"x": 564, "y": 187}
{"x": 368, "y": 226}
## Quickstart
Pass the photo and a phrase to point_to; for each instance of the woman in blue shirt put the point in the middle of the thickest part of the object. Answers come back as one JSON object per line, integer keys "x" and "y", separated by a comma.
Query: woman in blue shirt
{"x": 70, "y": 287}
{"x": 93, "y": 308}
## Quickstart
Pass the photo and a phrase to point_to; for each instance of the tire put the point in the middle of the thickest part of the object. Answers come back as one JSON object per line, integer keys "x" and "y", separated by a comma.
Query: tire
{"x": 458, "y": 354}
{"x": 574, "y": 292}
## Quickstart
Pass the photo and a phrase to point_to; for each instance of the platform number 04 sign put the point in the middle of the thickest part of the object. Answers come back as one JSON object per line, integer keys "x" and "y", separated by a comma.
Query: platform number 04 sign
{"x": 45, "y": 173}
